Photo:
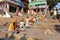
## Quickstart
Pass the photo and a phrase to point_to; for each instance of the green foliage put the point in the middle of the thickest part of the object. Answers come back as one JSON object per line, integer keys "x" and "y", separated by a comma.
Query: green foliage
{"x": 58, "y": 0}
{"x": 51, "y": 3}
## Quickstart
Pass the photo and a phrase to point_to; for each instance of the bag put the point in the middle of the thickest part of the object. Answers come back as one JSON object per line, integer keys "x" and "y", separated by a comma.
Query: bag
{"x": 17, "y": 32}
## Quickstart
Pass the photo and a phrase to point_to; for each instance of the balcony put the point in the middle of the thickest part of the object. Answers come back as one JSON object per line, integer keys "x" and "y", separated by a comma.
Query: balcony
{"x": 19, "y": 2}
{"x": 4, "y": 0}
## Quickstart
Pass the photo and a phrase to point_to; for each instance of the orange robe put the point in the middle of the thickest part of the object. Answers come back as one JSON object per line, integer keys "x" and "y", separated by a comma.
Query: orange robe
{"x": 11, "y": 27}
{"x": 41, "y": 17}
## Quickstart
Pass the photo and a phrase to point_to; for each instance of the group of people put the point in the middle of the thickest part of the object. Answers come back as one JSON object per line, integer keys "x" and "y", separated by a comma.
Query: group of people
{"x": 55, "y": 14}
{"x": 16, "y": 26}
{"x": 17, "y": 13}
{"x": 38, "y": 15}
{"x": 6, "y": 14}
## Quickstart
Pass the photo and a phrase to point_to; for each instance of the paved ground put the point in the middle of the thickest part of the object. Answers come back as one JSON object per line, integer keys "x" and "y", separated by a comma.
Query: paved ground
{"x": 39, "y": 33}
{"x": 36, "y": 30}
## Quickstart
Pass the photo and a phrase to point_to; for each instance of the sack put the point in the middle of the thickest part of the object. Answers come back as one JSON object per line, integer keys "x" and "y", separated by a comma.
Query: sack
{"x": 17, "y": 32}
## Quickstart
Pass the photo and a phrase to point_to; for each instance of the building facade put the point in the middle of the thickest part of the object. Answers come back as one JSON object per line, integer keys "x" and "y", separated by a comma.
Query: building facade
{"x": 11, "y": 5}
{"x": 40, "y": 4}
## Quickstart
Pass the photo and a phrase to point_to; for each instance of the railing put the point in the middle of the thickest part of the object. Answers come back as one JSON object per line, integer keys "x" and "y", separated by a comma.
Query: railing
{"x": 19, "y": 2}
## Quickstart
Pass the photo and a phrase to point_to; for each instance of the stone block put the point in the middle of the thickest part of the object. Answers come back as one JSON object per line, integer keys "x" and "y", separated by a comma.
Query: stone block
{"x": 2, "y": 35}
{"x": 30, "y": 38}
{"x": 9, "y": 34}
{"x": 18, "y": 36}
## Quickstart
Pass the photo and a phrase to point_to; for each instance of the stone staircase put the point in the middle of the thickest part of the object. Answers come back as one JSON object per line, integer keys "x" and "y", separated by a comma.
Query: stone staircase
{"x": 48, "y": 22}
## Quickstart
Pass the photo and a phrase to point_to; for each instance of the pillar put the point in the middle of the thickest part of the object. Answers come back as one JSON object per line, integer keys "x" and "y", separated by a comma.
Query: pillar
{"x": 7, "y": 7}
{"x": 17, "y": 9}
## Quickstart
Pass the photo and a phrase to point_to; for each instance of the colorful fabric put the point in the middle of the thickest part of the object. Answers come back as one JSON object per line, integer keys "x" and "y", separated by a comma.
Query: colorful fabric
{"x": 14, "y": 20}
{"x": 41, "y": 17}
{"x": 55, "y": 12}
{"x": 11, "y": 27}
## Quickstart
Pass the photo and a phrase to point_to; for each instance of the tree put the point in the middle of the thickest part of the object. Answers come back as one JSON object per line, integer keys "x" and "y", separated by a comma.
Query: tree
{"x": 58, "y": 0}
{"x": 51, "y": 3}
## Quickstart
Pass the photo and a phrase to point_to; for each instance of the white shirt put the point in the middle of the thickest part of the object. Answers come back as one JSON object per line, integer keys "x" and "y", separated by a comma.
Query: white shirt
{"x": 0, "y": 15}
{"x": 55, "y": 12}
{"x": 27, "y": 22}
{"x": 6, "y": 15}
{"x": 20, "y": 14}
{"x": 21, "y": 24}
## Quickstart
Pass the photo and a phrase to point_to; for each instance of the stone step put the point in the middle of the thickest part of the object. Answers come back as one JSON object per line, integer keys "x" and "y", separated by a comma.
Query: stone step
{"x": 51, "y": 26}
{"x": 2, "y": 35}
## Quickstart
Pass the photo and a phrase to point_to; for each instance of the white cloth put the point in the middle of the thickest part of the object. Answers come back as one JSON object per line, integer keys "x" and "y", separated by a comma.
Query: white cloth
{"x": 34, "y": 19}
{"x": 0, "y": 15}
{"x": 6, "y": 15}
{"x": 27, "y": 22}
{"x": 20, "y": 14}
{"x": 21, "y": 24}
{"x": 55, "y": 12}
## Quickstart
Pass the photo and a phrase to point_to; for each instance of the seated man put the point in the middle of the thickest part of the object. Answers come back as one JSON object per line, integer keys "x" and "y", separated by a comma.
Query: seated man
{"x": 6, "y": 15}
{"x": 33, "y": 20}
{"x": 22, "y": 25}
{"x": 18, "y": 13}
{"x": 55, "y": 14}
{"x": 41, "y": 17}
{"x": 27, "y": 22}
{"x": 13, "y": 27}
